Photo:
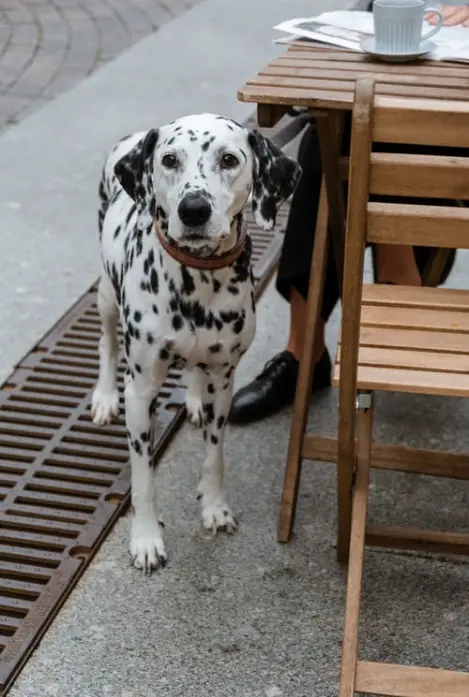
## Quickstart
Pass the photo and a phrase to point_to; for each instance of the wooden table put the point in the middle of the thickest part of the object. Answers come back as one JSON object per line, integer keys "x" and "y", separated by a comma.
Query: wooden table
{"x": 323, "y": 79}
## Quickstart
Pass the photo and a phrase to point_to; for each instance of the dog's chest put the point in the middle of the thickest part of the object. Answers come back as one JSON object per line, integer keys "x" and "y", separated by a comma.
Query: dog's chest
{"x": 200, "y": 317}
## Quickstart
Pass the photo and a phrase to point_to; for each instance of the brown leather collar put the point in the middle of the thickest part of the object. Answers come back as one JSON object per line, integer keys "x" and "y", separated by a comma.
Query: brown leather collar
{"x": 211, "y": 263}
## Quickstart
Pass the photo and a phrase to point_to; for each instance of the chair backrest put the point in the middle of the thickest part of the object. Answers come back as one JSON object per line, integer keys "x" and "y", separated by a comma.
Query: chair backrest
{"x": 415, "y": 159}
{"x": 407, "y": 171}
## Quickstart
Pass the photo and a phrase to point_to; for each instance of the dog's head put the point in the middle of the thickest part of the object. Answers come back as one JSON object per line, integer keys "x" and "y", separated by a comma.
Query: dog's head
{"x": 195, "y": 176}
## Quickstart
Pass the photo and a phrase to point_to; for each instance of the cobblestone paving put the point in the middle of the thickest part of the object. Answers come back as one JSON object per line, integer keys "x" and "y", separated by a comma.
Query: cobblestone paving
{"x": 47, "y": 46}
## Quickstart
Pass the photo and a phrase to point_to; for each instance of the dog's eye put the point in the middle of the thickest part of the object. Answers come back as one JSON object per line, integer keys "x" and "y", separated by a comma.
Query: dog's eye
{"x": 169, "y": 161}
{"x": 229, "y": 161}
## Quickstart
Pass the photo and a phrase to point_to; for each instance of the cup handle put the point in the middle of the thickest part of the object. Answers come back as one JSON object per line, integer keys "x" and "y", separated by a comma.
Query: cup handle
{"x": 438, "y": 25}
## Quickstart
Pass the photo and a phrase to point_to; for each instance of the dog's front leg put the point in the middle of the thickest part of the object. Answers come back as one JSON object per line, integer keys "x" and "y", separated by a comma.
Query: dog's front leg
{"x": 216, "y": 513}
{"x": 146, "y": 541}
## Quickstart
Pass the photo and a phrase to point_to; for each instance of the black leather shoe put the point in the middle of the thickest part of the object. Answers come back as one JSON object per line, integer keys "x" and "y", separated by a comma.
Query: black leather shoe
{"x": 275, "y": 388}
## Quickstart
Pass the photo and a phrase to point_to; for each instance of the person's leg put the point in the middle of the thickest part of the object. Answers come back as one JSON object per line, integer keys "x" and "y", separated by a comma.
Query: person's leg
{"x": 275, "y": 387}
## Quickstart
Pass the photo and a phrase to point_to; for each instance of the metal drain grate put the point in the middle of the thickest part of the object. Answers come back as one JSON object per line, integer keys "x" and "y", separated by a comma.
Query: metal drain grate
{"x": 63, "y": 480}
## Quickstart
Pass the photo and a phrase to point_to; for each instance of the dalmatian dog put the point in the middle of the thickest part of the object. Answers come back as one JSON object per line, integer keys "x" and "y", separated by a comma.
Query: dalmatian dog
{"x": 177, "y": 274}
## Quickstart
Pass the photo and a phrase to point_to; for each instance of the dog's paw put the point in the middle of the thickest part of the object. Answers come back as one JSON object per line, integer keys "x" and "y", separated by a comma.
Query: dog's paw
{"x": 146, "y": 545}
{"x": 217, "y": 515}
{"x": 195, "y": 413}
{"x": 104, "y": 406}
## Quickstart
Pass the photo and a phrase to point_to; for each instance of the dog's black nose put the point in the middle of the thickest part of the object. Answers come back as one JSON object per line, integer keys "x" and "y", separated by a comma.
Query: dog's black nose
{"x": 194, "y": 210}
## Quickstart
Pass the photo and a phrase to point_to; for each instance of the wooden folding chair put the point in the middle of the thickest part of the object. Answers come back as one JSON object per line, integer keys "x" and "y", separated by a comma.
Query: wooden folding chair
{"x": 399, "y": 339}
{"x": 330, "y": 222}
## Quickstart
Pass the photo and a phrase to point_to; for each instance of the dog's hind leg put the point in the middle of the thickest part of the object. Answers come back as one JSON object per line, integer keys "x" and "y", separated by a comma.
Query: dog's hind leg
{"x": 194, "y": 397}
{"x": 216, "y": 513}
{"x": 105, "y": 400}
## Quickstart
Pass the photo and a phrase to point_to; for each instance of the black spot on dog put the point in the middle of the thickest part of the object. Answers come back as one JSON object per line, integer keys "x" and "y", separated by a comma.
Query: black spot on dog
{"x": 117, "y": 231}
{"x": 130, "y": 214}
{"x": 177, "y": 322}
{"x": 211, "y": 388}
{"x": 164, "y": 354}
{"x": 209, "y": 412}
{"x": 188, "y": 285}
{"x": 154, "y": 283}
{"x": 138, "y": 368}
{"x": 220, "y": 422}
{"x": 215, "y": 348}
{"x": 150, "y": 339}
{"x": 238, "y": 326}
{"x": 213, "y": 439}
{"x": 137, "y": 316}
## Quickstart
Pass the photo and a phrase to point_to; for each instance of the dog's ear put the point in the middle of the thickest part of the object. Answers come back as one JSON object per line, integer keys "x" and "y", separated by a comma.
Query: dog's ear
{"x": 132, "y": 167}
{"x": 275, "y": 177}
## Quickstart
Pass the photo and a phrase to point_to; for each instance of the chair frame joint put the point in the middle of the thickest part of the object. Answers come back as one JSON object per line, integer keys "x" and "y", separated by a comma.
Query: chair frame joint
{"x": 364, "y": 401}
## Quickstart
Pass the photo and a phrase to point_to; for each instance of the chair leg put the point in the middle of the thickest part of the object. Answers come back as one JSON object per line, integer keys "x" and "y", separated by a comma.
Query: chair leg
{"x": 345, "y": 474}
{"x": 357, "y": 550}
{"x": 305, "y": 375}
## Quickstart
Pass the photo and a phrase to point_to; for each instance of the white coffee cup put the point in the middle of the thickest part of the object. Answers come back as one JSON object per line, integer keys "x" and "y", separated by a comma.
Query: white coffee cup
{"x": 399, "y": 23}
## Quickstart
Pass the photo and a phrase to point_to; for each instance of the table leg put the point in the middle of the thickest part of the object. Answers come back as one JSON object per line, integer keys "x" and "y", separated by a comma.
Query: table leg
{"x": 305, "y": 374}
{"x": 330, "y": 217}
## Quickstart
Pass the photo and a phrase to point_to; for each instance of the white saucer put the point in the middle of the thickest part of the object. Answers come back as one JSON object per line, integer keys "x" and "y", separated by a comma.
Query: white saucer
{"x": 368, "y": 45}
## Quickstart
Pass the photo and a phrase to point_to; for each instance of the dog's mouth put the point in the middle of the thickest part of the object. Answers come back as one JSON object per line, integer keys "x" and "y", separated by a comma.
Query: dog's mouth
{"x": 198, "y": 245}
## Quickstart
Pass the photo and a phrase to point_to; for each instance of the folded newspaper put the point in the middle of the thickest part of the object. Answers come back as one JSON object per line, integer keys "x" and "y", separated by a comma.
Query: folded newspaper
{"x": 347, "y": 29}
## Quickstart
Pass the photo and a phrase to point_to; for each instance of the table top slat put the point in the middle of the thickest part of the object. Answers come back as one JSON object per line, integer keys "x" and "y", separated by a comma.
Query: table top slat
{"x": 325, "y": 78}
{"x": 353, "y": 75}
{"x": 365, "y": 65}
{"x": 291, "y": 85}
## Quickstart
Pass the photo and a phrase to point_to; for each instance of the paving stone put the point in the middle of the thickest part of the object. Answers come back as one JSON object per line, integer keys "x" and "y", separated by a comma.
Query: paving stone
{"x": 47, "y": 47}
